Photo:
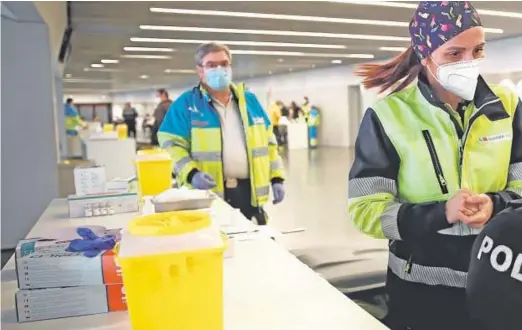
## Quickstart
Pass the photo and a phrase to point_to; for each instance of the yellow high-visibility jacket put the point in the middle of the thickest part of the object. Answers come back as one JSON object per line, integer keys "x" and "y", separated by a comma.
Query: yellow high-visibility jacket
{"x": 191, "y": 132}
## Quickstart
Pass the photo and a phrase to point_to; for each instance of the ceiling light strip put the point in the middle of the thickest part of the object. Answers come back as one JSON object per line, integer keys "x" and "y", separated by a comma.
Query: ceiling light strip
{"x": 273, "y": 32}
{"x": 147, "y": 49}
{"x": 282, "y": 53}
{"x": 102, "y": 69}
{"x": 82, "y": 80}
{"x": 279, "y": 17}
{"x": 393, "y": 49}
{"x": 486, "y": 12}
{"x": 150, "y": 57}
{"x": 238, "y": 43}
{"x": 179, "y": 71}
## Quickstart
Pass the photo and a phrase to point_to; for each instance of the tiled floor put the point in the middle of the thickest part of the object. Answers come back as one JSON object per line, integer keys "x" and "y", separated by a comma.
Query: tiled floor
{"x": 317, "y": 199}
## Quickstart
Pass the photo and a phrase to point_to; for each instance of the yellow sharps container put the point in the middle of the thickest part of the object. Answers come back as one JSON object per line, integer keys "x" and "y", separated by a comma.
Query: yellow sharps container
{"x": 172, "y": 267}
{"x": 122, "y": 130}
{"x": 108, "y": 127}
{"x": 154, "y": 169}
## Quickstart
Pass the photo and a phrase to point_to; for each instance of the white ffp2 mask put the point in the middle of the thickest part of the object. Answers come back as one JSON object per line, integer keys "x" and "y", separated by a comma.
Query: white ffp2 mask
{"x": 460, "y": 78}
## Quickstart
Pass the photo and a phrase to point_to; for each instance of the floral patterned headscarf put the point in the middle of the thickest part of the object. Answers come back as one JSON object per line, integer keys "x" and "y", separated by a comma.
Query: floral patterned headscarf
{"x": 436, "y": 22}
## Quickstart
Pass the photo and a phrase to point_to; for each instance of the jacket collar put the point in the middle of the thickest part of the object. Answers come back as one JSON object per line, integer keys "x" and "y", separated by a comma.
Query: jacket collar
{"x": 487, "y": 102}
{"x": 205, "y": 95}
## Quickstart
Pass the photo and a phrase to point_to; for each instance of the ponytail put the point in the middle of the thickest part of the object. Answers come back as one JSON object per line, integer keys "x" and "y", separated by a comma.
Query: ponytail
{"x": 396, "y": 74}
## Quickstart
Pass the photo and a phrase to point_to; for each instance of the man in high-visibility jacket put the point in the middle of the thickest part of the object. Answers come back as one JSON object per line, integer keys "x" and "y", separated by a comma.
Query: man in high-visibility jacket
{"x": 313, "y": 124}
{"x": 221, "y": 139}
{"x": 72, "y": 122}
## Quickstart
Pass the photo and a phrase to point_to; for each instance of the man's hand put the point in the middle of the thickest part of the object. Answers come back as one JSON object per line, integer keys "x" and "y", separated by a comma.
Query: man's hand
{"x": 484, "y": 204}
{"x": 203, "y": 181}
{"x": 458, "y": 210}
{"x": 279, "y": 192}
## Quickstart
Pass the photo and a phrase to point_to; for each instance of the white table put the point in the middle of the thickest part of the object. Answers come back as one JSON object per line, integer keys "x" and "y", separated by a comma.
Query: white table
{"x": 265, "y": 287}
{"x": 116, "y": 155}
{"x": 297, "y": 136}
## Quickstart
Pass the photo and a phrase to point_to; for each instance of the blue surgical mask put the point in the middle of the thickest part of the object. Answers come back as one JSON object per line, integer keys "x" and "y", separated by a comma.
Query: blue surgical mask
{"x": 219, "y": 78}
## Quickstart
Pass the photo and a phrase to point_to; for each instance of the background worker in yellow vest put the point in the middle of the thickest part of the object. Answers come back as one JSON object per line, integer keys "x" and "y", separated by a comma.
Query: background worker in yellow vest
{"x": 434, "y": 161}
{"x": 306, "y": 107}
{"x": 313, "y": 125}
{"x": 72, "y": 123}
{"x": 221, "y": 138}
{"x": 274, "y": 111}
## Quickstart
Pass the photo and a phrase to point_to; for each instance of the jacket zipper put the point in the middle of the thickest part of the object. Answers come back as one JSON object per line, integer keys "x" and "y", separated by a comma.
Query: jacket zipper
{"x": 466, "y": 133}
{"x": 409, "y": 265}
{"x": 435, "y": 161}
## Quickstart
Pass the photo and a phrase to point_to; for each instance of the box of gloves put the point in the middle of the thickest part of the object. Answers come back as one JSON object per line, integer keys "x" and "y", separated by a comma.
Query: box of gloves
{"x": 68, "y": 257}
{"x": 68, "y": 272}
{"x": 52, "y": 303}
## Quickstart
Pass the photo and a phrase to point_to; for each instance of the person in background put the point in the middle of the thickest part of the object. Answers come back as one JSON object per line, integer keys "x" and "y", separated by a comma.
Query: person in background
{"x": 285, "y": 111}
{"x": 296, "y": 111}
{"x": 129, "y": 116}
{"x": 159, "y": 113}
{"x": 274, "y": 112}
{"x": 221, "y": 138}
{"x": 434, "y": 161}
{"x": 313, "y": 124}
{"x": 306, "y": 107}
{"x": 494, "y": 288}
{"x": 72, "y": 122}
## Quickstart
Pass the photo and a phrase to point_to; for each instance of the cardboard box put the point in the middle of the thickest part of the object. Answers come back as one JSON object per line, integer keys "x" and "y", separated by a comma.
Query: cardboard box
{"x": 102, "y": 204}
{"x": 66, "y": 175}
{"x": 89, "y": 180}
{"x": 119, "y": 186}
{"x": 46, "y": 304}
{"x": 45, "y": 263}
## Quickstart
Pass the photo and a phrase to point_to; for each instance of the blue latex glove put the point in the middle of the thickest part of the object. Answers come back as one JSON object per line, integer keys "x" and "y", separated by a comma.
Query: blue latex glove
{"x": 203, "y": 181}
{"x": 279, "y": 192}
{"x": 90, "y": 244}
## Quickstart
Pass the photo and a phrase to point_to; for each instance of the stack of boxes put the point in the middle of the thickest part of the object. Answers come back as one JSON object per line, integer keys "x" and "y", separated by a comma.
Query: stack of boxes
{"x": 95, "y": 196}
{"x": 55, "y": 283}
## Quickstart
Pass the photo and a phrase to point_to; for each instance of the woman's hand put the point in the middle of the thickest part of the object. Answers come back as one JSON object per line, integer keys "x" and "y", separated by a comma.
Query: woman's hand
{"x": 459, "y": 209}
{"x": 484, "y": 205}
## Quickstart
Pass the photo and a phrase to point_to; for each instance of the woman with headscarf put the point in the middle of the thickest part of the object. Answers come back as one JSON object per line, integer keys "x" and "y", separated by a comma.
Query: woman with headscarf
{"x": 434, "y": 161}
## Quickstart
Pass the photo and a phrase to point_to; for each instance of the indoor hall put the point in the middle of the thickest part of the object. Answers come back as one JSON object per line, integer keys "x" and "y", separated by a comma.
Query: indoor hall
{"x": 126, "y": 108}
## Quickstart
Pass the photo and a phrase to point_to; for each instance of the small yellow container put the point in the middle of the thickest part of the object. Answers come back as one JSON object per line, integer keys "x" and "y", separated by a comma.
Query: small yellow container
{"x": 154, "y": 169}
{"x": 108, "y": 127}
{"x": 172, "y": 268}
{"x": 122, "y": 130}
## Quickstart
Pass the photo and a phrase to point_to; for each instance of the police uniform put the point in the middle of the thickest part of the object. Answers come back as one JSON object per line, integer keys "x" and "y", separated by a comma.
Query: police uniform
{"x": 494, "y": 288}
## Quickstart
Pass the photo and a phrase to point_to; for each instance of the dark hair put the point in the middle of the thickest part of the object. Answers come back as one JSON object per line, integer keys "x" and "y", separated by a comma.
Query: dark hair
{"x": 163, "y": 91}
{"x": 396, "y": 74}
{"x": 69, "y": 101}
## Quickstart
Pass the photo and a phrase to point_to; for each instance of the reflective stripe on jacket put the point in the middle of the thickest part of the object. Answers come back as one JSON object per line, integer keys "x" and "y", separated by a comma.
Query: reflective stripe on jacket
{"x": 412, "y": 154}
{"x": 191, "y": 132}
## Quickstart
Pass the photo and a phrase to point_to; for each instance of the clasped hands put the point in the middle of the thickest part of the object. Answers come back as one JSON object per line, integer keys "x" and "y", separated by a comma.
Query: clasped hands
{"x": 471, "y": 209}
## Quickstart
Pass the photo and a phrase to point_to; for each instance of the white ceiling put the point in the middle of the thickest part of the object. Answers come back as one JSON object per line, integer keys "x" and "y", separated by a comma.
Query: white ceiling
{"x": 103, "y": 28}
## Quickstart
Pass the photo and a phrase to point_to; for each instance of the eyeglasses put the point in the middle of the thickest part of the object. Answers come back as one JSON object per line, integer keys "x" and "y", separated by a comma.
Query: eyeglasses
{"x": 214, "y": 65}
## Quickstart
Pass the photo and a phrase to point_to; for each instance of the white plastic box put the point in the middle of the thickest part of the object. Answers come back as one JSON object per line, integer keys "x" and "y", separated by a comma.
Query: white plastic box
{"x": 103, "y": 204}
